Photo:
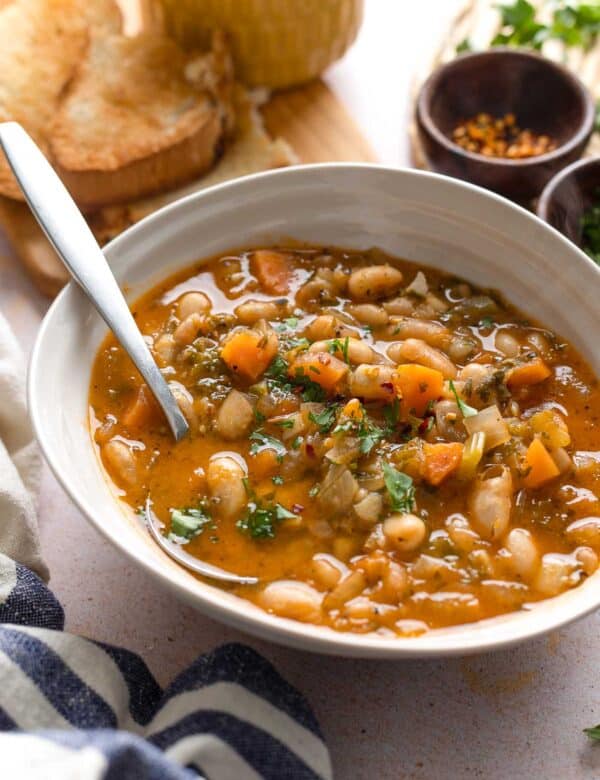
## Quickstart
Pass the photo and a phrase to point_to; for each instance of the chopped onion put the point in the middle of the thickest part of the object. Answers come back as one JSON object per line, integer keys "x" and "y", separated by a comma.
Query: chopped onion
{"x": 472, "y": 455}
{"x": 490, "y": 422}
{"x": 418, "y": 286}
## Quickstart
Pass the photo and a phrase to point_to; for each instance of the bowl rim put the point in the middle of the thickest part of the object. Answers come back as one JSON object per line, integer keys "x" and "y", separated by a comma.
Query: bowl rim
{"x": 273, "y": 628}
{"x": 583, "y": 131}
{"x": 543, "y": 204}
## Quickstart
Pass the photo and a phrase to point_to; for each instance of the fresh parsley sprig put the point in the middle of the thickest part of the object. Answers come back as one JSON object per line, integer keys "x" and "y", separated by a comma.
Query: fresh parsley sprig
{"x": 400, "y": 488}
{"x": 465, "y": 409}
{"x": 261, "y": 520}
{"x": 188, "y": 522}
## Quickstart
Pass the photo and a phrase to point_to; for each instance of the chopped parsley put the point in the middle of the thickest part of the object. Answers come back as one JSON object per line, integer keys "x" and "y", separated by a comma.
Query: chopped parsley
{"x": 262, "y": 441}
{"x": 260, "y": 520}
{"x": 187, "y": 523}
{"x": 325, "y": 419}
{"x": 391, "y": 415}
{"x": 465, "y": 409}
{"x": 486, "y": 322}
{"x": 297, "y": 442}
{"x": 593, "y": 732}
{"x": 400, "y": 489}
{"x": 285, "y": 423}
{"x": 340, "y": 345}
{"x": 368, "y": 434}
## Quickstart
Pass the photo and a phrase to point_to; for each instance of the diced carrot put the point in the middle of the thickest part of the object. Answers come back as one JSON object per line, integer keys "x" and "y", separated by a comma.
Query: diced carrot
{"x": 416, "y": 386}
{"x": 273, "y": 270}
{"x": 320, "y": 367}
{"x": 542, "y": 467}
{"x": 249, "y": 353}
{"x": 353, "y": 409}
{"x": 441, "y": 460}
{"x": 528, "y": 373}
{"x": 143, "y": 410}
{"x": 264, "y": 464}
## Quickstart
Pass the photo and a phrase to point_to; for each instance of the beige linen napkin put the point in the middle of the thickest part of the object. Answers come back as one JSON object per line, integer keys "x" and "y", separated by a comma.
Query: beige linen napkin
{"x": 20, "y": 462}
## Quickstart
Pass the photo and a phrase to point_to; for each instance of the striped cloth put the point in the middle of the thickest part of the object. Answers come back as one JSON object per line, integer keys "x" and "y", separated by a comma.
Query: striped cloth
{"x": 73, "y": 708}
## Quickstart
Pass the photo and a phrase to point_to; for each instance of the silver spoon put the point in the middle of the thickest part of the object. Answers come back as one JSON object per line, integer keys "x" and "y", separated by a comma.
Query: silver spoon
{"x": 67, "y": 231}
{"x": 65, "y": 227}
{"x": 185, "y": 559}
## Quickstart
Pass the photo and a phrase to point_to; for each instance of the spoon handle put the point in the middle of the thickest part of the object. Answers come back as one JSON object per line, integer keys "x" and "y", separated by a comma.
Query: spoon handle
{"x": 68, "y": 232}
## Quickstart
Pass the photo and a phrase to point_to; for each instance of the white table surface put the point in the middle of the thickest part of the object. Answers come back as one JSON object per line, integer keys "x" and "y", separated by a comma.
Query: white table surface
{"x": 505, "y": 716}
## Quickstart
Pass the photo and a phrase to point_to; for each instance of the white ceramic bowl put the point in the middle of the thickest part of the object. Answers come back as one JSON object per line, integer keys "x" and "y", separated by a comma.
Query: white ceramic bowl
{"x": 428, "y": 218}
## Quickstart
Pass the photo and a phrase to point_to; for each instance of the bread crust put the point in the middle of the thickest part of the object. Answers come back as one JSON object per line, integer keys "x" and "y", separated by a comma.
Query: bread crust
{"x": 163, "y": 117}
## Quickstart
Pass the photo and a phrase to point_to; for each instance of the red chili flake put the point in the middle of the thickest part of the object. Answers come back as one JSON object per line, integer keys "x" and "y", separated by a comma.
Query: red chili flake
{"x": 310, "y": 450}
{"x": 297, "y": 509}
{"x": 388, "y": 386}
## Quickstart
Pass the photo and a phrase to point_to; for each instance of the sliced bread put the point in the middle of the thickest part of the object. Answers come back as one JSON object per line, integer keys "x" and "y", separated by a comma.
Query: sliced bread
{"x": 140, "y": 116}
{"x": 41, "y": 41}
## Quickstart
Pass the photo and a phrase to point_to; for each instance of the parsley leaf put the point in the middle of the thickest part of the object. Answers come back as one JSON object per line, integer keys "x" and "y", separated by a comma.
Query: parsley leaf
{"x": 465, "y": 409}
{"x": 368, "y": 434}
{"x": 400, "y": 489}
{"x": 262, "y": 441}
{"x": 340, "y": 345}
{"x": 325, "y": 419}
{"x": 391, "y": 415}
{"x": 593, "y": 732}
{"x": 260, "y": 520}
{"x": 187, "y": 523}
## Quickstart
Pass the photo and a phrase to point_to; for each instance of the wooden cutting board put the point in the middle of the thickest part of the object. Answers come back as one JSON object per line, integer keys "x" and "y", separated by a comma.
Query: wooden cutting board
{"x": 309, "y": 118}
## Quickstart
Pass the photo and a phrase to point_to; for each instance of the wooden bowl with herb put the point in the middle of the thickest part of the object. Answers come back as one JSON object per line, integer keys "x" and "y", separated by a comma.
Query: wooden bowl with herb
{"x": 504, "y": 119}
{"x": 570, "y": 203}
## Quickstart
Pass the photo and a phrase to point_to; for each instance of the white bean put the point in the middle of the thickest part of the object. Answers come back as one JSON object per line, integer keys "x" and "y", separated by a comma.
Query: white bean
{"x": 121, "y": 461}
{"x": 326, "y": 570}
{"x": 185, "y": 401}
{"x": 368, "y": 314}
{"x": 292, "y": 599}
{"x": 250, "y": 312}
{"x": 373, "y": 282}
{"x": 399, "y": 306}
{"x": 588, "y": 559}
{"x": 326, "y": 326}
{"x": 405, "y": 531}
{"x": 235, "y": 416}
{"x": 554, "y": 575}
{"x": 507, "y": 343}
{"x": 418, "y": 351}
{"x": 369, "y": 508}
{"x": 348, "y": 588}
{"x": 431, "y": 333}
{"x": 164, "y": 349}
{"x": 372, "y": 382}
{"x": 490, "y": 504}
{"x": 224, "y": 477}
{"x": 188, "y": 329}
{"x": 193, "y": 303}
{"x": 357, "y": 350}
{"x": 585, "y": 531}
{"x": 525, "y": 558}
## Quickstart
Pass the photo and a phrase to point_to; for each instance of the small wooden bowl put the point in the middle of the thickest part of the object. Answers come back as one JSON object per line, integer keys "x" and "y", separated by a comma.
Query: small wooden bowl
{"x": 544, "y": 97}
{"x": 568, "y": 195}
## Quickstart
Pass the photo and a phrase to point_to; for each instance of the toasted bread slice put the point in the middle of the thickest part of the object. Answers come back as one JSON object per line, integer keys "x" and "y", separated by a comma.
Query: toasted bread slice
{"x": 251, "y": 150}
{"x": 42, "y": 41}
{"x": 140, "y": 116}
